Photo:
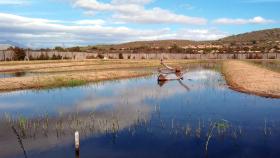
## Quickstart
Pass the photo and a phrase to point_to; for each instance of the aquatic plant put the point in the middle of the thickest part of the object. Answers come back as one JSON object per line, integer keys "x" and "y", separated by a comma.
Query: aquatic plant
{"x": 221, "y": 126}
{"x": 74, "y": 82}
{"x": 198, "y": 130}
{"x": 188, "y": 130}
{"x": 22, "y": 125}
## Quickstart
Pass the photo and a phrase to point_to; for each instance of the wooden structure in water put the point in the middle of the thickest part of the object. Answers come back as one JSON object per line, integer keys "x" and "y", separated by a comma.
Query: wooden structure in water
{"x": 164, "y": 73}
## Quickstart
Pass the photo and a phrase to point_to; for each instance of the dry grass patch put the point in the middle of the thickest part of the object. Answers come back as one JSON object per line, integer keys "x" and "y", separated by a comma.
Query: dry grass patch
{"x": 248, "y": 78}
{"x": 70, "y": 65}
{"x": 64, "y": 80}
{"x": 73, "y": 73}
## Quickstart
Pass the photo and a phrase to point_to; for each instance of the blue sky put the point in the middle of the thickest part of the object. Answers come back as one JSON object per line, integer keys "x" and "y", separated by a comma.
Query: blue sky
{"x": 48, "y": 23}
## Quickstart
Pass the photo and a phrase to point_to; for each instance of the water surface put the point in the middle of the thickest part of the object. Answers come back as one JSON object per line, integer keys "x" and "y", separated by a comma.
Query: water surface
{"x": 142, "y": 118}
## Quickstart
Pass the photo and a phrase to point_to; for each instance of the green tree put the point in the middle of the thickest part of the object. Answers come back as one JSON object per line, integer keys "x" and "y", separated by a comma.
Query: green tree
{"x": 59, "y": 49}
{"x": 75, "y": 49}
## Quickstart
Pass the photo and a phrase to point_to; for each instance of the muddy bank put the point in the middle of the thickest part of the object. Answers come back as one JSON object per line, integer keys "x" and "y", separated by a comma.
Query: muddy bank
{"x": 248, "y": 78}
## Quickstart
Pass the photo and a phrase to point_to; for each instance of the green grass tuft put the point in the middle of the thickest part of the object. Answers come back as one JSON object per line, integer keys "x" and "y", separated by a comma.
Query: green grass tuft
{"x": 74, "y": 82}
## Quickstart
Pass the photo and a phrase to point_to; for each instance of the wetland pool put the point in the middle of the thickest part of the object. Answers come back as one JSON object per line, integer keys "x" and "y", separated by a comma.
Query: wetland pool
{"x": 197, "y": 117}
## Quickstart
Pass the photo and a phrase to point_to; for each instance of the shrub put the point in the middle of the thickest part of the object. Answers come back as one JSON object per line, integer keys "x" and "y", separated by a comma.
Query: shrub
{"x": 56, "y": 57}
{"x": 18, "y": 53}
{"x": 75, "y": 49}
{"x": 43, "y": 56}
{"x": 59, "y": 49}
{"x": 100, "y": 56}
{"x": 121, "y": 56}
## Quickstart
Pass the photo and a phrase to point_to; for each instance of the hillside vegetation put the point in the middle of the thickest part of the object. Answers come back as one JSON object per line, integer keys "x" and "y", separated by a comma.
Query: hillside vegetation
{"x": 261, "y": 36}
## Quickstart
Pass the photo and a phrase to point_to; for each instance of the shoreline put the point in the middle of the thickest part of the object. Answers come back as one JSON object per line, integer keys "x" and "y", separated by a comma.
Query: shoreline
{"x": 65, "y": 80}
{"x": 71, "y": 73}
{"x": 251, "y": 79}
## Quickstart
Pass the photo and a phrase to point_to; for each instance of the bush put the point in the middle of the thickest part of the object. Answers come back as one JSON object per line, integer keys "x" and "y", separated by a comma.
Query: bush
{"x": 43, "y": 56}
{"x": 100, "y": 56}
{"x": 56, "y": 57}
{"x": 75, "y": 49}
{"x": 121, "y": 56}
{"x": 59, "y": 49}
{"x": 94, "y": 48}
{"x": 18, "y": 53}
{"x": 176, "y": 49}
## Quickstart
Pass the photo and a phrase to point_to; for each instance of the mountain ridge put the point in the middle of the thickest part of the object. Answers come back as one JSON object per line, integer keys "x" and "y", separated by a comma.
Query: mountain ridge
{"x": 260, "y": 37}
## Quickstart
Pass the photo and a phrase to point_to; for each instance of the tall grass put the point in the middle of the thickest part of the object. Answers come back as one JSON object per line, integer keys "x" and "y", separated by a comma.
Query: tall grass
{"x": 93, "y": 124}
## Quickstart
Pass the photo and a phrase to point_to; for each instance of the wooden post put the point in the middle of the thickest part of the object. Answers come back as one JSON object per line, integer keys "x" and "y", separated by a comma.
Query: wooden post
{"x": 77, "y": 144}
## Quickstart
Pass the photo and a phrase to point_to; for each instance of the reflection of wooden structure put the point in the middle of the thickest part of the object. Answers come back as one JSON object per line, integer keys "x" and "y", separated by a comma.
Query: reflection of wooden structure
{"x": 162, "y": 83}
{"x": 164, "y": 77}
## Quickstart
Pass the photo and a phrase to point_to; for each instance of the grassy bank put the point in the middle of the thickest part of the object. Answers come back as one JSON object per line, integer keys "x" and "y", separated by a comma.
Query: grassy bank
{"x": 248, "y": 78}
{"x": 70, "y": 65}
{"x": 273, "y": 65}
{"x": 69, "y": 73}
{"x": 65, "y": 80}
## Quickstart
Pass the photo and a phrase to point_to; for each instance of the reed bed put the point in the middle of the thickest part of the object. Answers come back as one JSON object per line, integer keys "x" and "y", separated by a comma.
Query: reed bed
{"x": 95, "y": 124}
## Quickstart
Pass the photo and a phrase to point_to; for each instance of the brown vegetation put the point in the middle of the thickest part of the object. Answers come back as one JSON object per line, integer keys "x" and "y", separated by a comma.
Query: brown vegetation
{"x": 72, "y": 73}
{"x": 248, "y": 78}
{"x": 66, "y": 79}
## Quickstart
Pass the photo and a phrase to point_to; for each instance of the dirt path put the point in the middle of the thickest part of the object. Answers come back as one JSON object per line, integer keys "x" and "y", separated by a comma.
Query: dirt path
{"x": 248, "y": 78}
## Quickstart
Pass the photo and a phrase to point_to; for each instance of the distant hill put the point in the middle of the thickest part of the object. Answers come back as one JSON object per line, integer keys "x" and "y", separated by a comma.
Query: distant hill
{"x": 154, "y": 44}
{"x": 262, "y": 36}
{"x": 257, "y": 37}
{"x": 4, "y": 44}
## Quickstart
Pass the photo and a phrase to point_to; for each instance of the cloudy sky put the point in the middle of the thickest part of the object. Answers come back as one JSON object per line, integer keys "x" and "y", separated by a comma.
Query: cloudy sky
{"x": 48, "y": 23}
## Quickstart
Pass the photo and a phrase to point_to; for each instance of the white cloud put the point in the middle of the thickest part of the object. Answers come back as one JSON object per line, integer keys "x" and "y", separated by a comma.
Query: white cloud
{"x": 135, "y": 11}
{"x": 158, "y": 15}
{"x": 189, "y": 34}
{"x": 44, "y": 32}
{"x": 255, "y": 20}
{"x": 90, "y": 22}
{"x": 13, "y": 2}
{"x": 131, "y": 1}
{"x": 37, "y": 32}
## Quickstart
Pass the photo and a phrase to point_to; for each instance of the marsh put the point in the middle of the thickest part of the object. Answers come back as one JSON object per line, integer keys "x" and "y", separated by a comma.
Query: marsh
{"x": 140, "y": 118}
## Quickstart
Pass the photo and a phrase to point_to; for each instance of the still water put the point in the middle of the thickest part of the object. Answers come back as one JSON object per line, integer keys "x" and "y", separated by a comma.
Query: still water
{"x": 197, "y": 117}
{"x": 15, "y": 74}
